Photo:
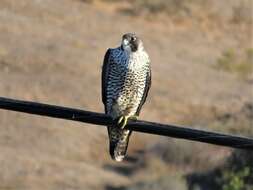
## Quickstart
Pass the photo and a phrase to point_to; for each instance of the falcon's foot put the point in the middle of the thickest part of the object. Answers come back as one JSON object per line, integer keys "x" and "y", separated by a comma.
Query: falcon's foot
{"x": 122, "y": 122}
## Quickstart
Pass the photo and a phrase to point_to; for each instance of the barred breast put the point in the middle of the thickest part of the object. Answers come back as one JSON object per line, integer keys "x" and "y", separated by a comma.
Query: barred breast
{"x": 126, "y": 82}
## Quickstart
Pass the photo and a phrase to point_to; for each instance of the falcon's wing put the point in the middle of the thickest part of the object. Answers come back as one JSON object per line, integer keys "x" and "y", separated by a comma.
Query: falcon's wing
{"x": 146, "y": 90}
{"x": 105, "y": 77}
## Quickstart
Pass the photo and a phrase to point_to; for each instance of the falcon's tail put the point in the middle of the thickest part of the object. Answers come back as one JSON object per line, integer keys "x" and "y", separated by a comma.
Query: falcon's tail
{"x": 118, "y": 142}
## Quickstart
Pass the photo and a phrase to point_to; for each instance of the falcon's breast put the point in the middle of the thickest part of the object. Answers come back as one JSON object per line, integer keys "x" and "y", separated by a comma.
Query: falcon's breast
{"x": 126, "y": 82}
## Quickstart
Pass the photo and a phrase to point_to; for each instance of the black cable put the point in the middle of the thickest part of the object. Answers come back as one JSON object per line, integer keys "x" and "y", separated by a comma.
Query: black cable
{"x": 141, "y": 126}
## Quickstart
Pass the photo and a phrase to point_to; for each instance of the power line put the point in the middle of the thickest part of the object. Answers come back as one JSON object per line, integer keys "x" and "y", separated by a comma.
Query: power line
{"x": 139, "y": 125}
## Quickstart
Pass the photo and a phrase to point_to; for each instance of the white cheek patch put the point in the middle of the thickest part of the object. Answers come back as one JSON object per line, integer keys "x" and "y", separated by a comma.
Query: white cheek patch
{"x": 127, "y": 48}
{"x": 126, "y": 45}
{"x": 125, "y": 42}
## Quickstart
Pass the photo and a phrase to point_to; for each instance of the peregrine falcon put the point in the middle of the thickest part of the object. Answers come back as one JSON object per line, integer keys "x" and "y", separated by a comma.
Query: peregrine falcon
{"x": 126, "y": 79}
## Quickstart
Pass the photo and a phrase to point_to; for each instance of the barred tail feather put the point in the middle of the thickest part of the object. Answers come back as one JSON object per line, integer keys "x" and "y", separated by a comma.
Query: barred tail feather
{"x": 119, "y": 139}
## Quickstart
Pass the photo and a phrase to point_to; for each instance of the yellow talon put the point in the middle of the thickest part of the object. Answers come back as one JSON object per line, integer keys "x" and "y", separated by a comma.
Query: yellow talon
{"x": 134, "y": 117}
{"x": 124, "y": 120}
{"x": 120, "y": 119}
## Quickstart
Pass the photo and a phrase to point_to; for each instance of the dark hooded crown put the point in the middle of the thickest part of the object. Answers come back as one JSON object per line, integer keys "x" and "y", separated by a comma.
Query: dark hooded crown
{"x": 133, "y": 40}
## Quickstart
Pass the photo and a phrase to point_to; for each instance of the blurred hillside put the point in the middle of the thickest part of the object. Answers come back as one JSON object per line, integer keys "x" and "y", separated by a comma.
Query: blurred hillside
{"x": 52, "y": 52}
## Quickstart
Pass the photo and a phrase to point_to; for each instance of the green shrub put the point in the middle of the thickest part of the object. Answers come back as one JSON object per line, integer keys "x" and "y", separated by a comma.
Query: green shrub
{"x": 235, "y": 180}
{"x": 235, "y": 174}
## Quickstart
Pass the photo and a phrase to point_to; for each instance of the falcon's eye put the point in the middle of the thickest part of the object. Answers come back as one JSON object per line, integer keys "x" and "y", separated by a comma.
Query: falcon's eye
{"x": 133, "y": 38}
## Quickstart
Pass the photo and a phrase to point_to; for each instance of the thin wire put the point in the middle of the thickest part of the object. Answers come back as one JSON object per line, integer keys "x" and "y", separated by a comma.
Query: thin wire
{"x": 139, "y": 125}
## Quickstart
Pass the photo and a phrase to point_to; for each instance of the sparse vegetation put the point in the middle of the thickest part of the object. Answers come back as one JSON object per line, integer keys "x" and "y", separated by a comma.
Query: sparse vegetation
{"x": 196, "y": 10}
{"x": 238, "y": 173}
{"x": 242, "y": 13}
{"x": 235, "y": 123}
{"x": 171, "y": 7}
{"x": 232, "y": 61}
{"x": 235, "y": 174}
{"x": 163, "y": 183}
{"x": 236, "y": 180}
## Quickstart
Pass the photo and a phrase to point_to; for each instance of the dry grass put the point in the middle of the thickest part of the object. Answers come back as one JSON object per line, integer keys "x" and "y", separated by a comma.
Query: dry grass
{"x": 197, "y": 10}
{"x": 231, "y": 61}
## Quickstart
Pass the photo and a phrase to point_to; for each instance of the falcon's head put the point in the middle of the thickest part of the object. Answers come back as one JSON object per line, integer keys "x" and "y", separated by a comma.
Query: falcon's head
{"x": 131, "y": 42}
